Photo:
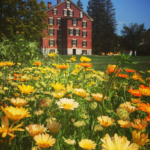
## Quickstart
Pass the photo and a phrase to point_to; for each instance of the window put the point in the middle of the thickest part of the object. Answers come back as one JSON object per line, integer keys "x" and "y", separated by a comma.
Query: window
{"x": 77, "y": 32}
{"x": 54, "y": 11}
{"x": 84, "y": 43}
{"x": 74, "y": 42}
{"x": 84, "y": 52}
{"x": 51, "y": 50}
{"x": 59, "y": 22}
{"x": 59, "y": 42}
{"x": 70, "y": 31}
{"x": 51, "y": 42}
{"x": 81, "y": 14}
{"x": 65, "y": 12}
{"x": 51, "y": 21}
{"x": 84, "y": 34}
{"x": 84, "y": 24}
{"x": 71, "y": 13}
{"x": 59, "y": 32}
{"x": 51, "y": 32}
{"x": 74, "y": 22}
{"x": 68, "y": 5}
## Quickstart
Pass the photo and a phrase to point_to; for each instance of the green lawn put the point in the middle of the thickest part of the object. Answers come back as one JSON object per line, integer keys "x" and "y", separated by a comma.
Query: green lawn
{"x": 101, "y": 62}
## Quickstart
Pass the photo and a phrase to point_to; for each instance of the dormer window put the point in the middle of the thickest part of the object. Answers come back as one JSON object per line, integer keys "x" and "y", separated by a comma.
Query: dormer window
{"x": 55, "y": 11}
{"x": 68, "y": 4}
{"x": 81, "y": 14}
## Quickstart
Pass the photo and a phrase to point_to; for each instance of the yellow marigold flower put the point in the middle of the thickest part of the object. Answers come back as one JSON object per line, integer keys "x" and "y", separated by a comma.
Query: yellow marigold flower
{"x": 44, "y": 140}
{"x": 70, "y": 142}
{"x": 73, "y": 58}
{"x": 128, "y": 107}
{"x": 80, "y": 92}
{"x": 58, "y": 94}
{"x": 79, "y": 124}
{"x": 35, "y": 129}
{"x": 26, "y": 89}
{"x": 87, "y": 144}
{"x": 15, "y": 113}
{"x": 18, "y": 102}
{"x": 136, "y": 101}
{"x": 148, "y": 71}
{"x": 117, "y": 143}
{"x": 52, "y": 55}
{"x": 77, "y": 66}
{"x": 9, "y": 63}
{"x": 105, "y": 121}
{"x": 67, "y": 104}
{"x": 58, "y": 86}
{"x": 38, "y": 112}
{"x": 139, "y": 124}
{"x": 53, "y": 126}
{"x": 4, "y": 130}
{"x": 84, "y": 59}
{"x": 98, "y": 97}
{"x": 139, "y": 139}
{"x": 2, "y": 64}
{"x": 124, "y": 124}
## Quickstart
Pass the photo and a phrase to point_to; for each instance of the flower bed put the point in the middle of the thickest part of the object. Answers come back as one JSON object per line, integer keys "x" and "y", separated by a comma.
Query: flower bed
{"x": 64, "y": 107}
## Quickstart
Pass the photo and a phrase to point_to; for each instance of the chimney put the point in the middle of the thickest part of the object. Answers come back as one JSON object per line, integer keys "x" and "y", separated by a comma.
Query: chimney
{"x": 58, "y": 1}
{"x": 49, "y": 5}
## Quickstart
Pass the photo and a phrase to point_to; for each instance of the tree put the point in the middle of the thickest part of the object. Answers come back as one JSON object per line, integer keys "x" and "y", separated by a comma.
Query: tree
{"x": 103, "y": 26}
{"x": 132, "y": 36}
{"x": 26, "y": 16}
{"x": 79, "y": 3}
{"x": 146, "y": 36}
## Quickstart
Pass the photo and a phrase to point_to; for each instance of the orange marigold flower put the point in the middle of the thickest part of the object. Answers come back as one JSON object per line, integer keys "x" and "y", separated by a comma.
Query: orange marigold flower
{"x": 123, "y": 75}
{"x": 98, "y": 97}
{"x": 37, "y": 63}
{"x": 137, "y": 76}
{"x": 80, "y": 92}
{"x": 111, "y": 69}
{"x": 128, "y": 107}
{"x": 130, "y": 70}
{"x": 86, "y": 65}
{"x": 144, "y": 107}
{"x": 145, "y": 91}
{"x": 136, "y": 101}
{"x": 139, "y": 124}
{"x": 63, "y": 66}
{"x": 17, "y": 75}
{"x": 124, "y": 124}
{"x": 134, "y": 92}
{"x": 148, "y": 79}
{"x": 15, "y": 79}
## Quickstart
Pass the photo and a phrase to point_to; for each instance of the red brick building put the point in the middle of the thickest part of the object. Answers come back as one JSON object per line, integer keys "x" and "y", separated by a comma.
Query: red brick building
{"x": 70, "y": 30}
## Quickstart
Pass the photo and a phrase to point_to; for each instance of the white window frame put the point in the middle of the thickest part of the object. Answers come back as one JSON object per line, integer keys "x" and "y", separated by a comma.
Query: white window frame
{"x": 74, "y": 44}
{"x": 78, "y": 32}
{"x": 65, "y": 12}
{"x": 50, "y": 32}
{"x": 81, "y": 14}
{"x": 50, "y": 21}
{"x": 52, "y": 41}
{"x": 59, "y": 24}
{"x": 59, "y": 32}
{"x": 85, "y": 26}
{"x": 68, "y": 6}
{"x": 59, "y": 44}
{"x": 84, "y": 51}
{"x": 74, "y": 19}
{"x": 55, "y": 12}
{"x": 71, "y": 13}
{"x": 84, "y": 45}
{"x": 84, "y": 32}
{"x": 72, "y": 31}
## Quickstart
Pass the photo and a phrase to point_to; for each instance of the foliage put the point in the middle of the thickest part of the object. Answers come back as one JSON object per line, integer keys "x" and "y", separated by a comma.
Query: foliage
{"x": 143, "y": 49}
{"x": 18, "y": 49}
{"x": 146, "y": 36}
{"x": 26, "y": 16}
{"x": 103, "y": 26}
{"x": 132, "y": 36}
{"x": 79, "y": 3}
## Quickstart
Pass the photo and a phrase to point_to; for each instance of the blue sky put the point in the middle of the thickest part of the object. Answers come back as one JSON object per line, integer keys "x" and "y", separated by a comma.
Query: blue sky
{"x": 127, "y": 11}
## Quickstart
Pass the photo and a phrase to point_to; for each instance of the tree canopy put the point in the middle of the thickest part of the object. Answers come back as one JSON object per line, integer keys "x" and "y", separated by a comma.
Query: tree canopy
{"x": 79, "y": 3}
{"x": 26, "y": 16}
{"x": 103, "y": 26}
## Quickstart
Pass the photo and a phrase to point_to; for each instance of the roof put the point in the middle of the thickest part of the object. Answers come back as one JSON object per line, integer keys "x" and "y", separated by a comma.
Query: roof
{"x": 73, "y": 4}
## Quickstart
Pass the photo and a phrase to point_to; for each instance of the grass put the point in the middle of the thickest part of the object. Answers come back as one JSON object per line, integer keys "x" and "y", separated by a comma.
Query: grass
{"x": 101, "y": 62}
